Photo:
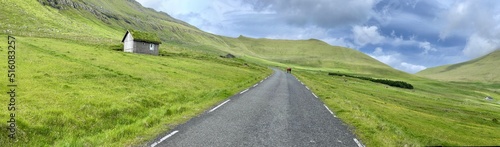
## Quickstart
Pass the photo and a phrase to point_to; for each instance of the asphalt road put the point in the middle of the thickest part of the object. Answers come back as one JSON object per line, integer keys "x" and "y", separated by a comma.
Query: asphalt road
{"x": 279, "y": 111}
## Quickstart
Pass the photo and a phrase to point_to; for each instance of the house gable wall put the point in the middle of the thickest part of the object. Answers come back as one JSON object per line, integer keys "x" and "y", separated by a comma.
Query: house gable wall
{"x": 128, "y": 43}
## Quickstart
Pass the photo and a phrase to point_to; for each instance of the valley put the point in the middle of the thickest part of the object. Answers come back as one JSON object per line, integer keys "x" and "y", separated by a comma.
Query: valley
{"x": 77, "y": 88}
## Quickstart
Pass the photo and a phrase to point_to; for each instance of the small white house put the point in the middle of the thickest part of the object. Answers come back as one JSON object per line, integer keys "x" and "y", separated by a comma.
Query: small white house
{"x": 141, "y": 42}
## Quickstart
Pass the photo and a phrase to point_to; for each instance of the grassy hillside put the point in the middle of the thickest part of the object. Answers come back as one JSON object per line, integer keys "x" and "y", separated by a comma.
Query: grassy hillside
{"x": 434, "y": 113}
{"x": 483, "y": 69}
{"x": 79, "y": 94}
{"x": 100, "y": 21}
{"x": 75, "y": 90}
{"x": 310, "y": 54}
{"x": 108, "y": 21}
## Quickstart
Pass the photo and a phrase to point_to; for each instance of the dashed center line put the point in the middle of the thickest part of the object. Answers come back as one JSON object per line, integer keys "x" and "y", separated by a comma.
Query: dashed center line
{"x": 219, "y": 105}
{"x": 164, "y": 138}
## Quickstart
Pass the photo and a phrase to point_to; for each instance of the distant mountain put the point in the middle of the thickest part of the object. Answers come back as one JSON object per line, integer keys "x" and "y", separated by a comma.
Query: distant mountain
{"x": 311, "y": 53}
{"x": 483, "y": 69}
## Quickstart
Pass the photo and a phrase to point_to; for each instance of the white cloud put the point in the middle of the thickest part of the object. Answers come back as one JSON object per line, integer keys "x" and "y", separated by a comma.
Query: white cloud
{"x": 300, "y": 33}
{"x": 322, "y": 13}
{"x": 478, "y": 46}
{"x": 395, "y": 60}
{"x": 366, "y": 35}
{"x": 212, "y": 16}
{"x": 339, "y": 42}
{"x": 360, "y": 24}
{"x": 411, "y": 68}
{"x": 387, "y": 58}
{"x": 410, "y": 41}
{"x": 478, "y": 21}
{"x": 378, "y": 51}
{"x": 458, "y": 17}
{"x": 427, "y": 47}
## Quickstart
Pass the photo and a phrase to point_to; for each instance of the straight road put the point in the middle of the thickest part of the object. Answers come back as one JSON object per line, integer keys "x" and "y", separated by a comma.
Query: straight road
{"x": 279, "y": 111}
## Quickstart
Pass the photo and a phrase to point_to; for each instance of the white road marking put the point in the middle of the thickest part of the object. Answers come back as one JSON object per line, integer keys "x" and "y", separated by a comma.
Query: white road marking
{"x": 315, "y": 95}
{"x": 302, "y": 83}
{"x": 244, "y": 91}
{"x": 261, "y": 81}
{"x": 357, "y": 142}
{"x": 219, "y": 105}
{"x": 328, "y": 109}
{"x": 307, "y": 88}
{"x": 164, "y": 138}
{"x": 256, "y": 85}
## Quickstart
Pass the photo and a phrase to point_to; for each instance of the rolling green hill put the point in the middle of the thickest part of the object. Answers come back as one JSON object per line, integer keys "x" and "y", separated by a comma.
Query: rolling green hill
{"x": 483, "y": 69}
{"x": 100, "y": 21}
{"x": 108, "y": 20}
{"x": 75, "y": 89}
{"x": 311, "y": 54}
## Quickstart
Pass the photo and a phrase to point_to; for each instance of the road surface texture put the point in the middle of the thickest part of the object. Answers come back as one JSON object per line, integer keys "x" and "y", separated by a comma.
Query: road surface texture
{"x": 278, "y": 111}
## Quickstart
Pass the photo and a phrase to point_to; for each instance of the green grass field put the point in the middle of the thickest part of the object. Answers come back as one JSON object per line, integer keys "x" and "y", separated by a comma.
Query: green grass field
{"x": 75, "y": 89}
{"x": 73, "y": 94}
{"x": 434, "y": 113}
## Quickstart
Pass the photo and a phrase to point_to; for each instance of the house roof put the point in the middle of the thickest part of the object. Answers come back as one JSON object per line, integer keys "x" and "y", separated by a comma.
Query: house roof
{"x": 143, "y": 36}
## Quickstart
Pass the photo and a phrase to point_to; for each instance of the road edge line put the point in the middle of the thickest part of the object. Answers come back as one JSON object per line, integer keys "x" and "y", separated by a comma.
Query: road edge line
{"x": 357, "y": 142}
{"x": 314, "y": 95}
{"x": 329, "y": 110}
{"x": 244, "y": 91}
{"x": 164, "y": 138}
{"x": 219, "y": 105}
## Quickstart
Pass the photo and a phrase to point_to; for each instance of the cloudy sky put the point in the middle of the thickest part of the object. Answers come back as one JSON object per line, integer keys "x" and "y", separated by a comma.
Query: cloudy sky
{"x": 409, "y": 35}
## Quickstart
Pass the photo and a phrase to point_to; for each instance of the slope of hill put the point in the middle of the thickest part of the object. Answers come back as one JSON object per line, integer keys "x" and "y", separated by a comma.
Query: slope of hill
{"x": 434, "y": 113}
{"x": 483, "y": 69}
{"x": 74, "y": 90}
{"x": 312, "y": 54}
{"x": 106, "y": 21}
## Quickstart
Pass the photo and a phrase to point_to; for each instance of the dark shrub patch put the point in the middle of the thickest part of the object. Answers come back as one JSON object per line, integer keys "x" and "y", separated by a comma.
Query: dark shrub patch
{"x": 400, "y": 84}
